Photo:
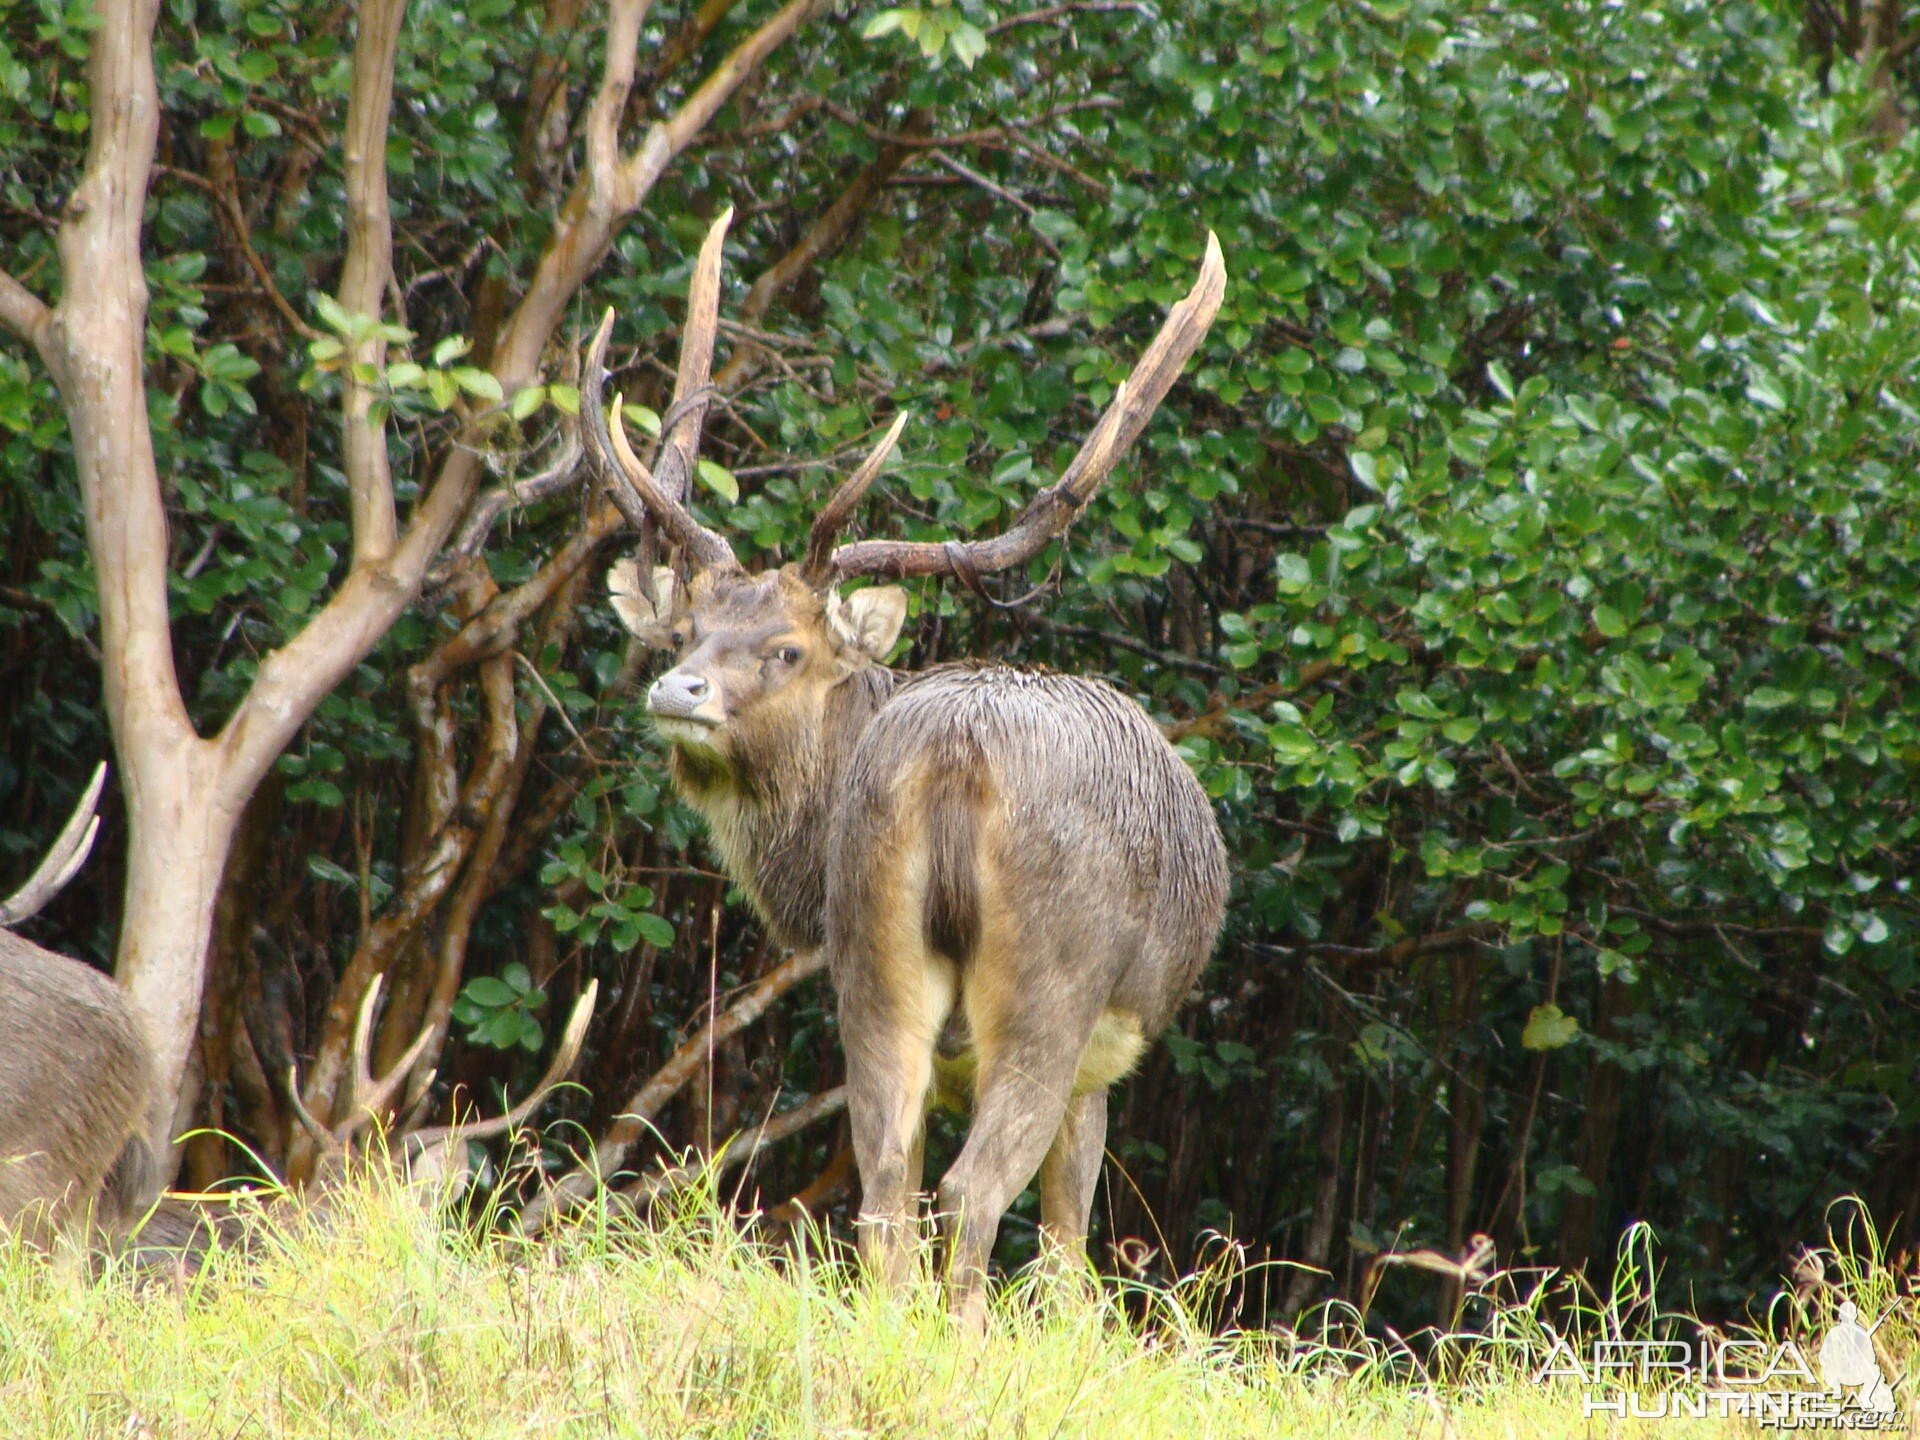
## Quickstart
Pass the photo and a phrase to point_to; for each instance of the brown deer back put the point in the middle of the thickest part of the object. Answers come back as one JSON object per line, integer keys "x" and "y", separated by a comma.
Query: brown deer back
{"x": 74, "y": 1084}
{"x": 1037, "y": 833}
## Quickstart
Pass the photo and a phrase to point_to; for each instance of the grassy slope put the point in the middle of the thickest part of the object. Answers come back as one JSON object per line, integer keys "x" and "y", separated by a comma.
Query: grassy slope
{"x": 381, "y": 1324}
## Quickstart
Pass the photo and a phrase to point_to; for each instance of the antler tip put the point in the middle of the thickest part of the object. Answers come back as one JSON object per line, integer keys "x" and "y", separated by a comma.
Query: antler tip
{"x": 1213, "y": 270}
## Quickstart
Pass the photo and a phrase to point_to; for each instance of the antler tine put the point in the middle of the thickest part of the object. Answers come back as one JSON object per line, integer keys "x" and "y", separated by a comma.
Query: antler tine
{"x": 637, "y": 491}
{"x": 373, "y": 1098}
{"x": 828, "y": 523}
{"x": 629, "y": 483}
{"x": 322, "y": 1136}
{"x": 1053, "y": 509}
{"x": 63, "y": 859}
{"x": 564, "y": 1057}
{"x": 693, "y": 383}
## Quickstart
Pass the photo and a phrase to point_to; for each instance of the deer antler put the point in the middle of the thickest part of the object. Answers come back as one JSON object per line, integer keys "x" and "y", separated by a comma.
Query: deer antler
{"x": 564, "y": 1056}
{"x": 371, "y": 1098}
{"x": 1053, "y": 509}
{"x": 641, "y": 494}
{"x": 67, "y": 854}
{"x": 840, "y": 508}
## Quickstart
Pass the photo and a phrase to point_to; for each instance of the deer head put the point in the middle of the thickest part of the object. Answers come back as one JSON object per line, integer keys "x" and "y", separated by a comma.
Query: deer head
{"x": 758, "y": 655}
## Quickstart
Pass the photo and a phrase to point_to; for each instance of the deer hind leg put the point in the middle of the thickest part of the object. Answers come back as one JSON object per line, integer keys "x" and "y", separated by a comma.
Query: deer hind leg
{"x": 1069, "y": 1175}
{"x": 1022, "y": 1093}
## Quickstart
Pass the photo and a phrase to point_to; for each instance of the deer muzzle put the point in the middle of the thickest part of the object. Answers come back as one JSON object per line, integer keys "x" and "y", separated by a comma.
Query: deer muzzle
{"x": 681, "y": 698}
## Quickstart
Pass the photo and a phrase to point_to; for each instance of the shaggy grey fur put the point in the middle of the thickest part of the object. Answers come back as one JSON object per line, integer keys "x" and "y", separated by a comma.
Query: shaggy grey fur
{"x": 74, "y": 1085}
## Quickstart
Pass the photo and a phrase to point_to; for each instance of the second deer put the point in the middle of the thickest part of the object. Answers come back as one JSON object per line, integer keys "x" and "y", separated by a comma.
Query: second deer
{"x": 75, "y": 1077}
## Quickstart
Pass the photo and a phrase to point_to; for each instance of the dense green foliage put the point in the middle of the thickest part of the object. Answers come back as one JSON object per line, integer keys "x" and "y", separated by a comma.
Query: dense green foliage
{"x": 1529, "y": 565}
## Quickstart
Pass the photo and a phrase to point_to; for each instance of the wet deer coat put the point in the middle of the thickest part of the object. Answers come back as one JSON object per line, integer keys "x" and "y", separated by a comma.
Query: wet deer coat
{"x": 75, "y": 1072}
{"x": 1014, "y": 876}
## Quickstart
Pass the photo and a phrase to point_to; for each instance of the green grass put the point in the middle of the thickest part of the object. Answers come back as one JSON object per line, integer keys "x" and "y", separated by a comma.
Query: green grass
{"x": 376, "y": 1321}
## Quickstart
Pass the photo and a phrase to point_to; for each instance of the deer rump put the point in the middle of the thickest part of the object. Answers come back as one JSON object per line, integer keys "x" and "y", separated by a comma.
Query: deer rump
{"x": 74, "y": 1074}
{"x": 1018, "y": 865}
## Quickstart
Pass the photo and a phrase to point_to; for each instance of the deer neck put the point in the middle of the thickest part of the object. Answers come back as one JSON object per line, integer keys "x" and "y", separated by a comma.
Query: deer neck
{"x": 768, "y": 811}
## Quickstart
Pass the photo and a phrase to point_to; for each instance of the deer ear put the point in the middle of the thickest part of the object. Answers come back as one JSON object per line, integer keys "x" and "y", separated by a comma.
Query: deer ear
{"x": 869, "y": 620}
{"x": 650, "y": 621}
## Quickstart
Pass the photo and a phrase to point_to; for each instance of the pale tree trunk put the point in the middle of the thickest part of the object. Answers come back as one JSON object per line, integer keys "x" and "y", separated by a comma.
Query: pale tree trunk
{"x": 185, "y": 793}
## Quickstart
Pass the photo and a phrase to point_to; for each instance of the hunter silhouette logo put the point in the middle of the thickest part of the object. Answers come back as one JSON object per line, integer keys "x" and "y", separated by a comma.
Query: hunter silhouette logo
{"x": 1848, "y": 1364}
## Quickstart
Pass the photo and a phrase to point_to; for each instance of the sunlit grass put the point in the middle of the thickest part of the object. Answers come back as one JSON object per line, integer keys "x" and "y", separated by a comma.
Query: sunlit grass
{"x": 376, "y": 1320}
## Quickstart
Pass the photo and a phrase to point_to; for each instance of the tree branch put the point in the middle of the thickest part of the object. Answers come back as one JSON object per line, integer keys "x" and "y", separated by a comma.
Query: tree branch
{"x": 826, "y": 234}
{"x": 742, "y": 1147}
{"x": 94, "y": 348}
{"x": 363, "y": 280}
{"x": 667, "y": 1082}
{"x": 292, "y": 679}
{"x": 24, "y": 313}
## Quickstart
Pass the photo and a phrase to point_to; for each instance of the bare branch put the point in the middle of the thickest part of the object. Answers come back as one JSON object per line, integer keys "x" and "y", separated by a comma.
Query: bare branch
{"x": 691, "y": 35}
{"x": 833, "y": 518}
{"x": 23, "y": 312}
{"x": 667, "y": 1082}
{"x": 369, "y": 266}
{"x": 1053, "y": 509}
{"x": 1054, "y": 14}
{"x": 994, "y": 188}
{"x": 611, "y": 187}
{"x": 224, "y": 186}
{"x": 292, "y": 679}
{"x": 743, "y": 1146}
{"x": 642, "y": 169}
{"x": 558, "y": 474}
{"x": 63, "y": 859}
{"x": 824, "y": 236}
{"x": 94, "y": 349}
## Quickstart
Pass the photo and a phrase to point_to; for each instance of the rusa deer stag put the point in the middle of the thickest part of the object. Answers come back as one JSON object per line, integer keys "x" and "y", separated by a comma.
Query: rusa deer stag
{"x": 1014, "y": 877}
{"x": 74, "y": 1070}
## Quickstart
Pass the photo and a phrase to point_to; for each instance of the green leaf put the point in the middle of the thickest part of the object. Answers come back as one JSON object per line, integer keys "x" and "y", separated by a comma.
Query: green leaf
{"x": 1548, "y": 1028}
{"x": 720, "y": 480}
{"x": 490, "y": 992}
{"x": 968, "y": 43}
{"x": 527, "y": 400}
{"x": 325, "y": 869}
{"x": 479, "y": 383}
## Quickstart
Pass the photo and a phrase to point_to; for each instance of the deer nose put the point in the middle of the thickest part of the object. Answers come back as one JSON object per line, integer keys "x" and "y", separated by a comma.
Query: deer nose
{"x": 677, "y": 694}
